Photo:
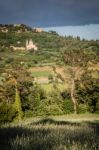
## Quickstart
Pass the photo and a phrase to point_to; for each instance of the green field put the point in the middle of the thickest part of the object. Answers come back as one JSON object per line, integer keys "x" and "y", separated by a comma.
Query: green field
{"x": 41, "y": 74}
{"x": 71, "y": 132}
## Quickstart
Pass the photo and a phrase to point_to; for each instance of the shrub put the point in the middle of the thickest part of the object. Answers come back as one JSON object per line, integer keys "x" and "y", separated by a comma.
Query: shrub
{"x": 28, "y": 113}
{"x": 7, "y": 113}
{"x": 49, "y": 107}
{"x": 68, "y": 106}
{"x": 50, "y": 77}
{"x": 9, "y": 60}
{"x": 82, "y": 108}
{"x": 65, "y": 94}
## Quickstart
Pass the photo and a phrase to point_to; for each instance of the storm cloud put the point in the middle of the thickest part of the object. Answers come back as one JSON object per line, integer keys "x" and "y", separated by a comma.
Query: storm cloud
{"x": 46, "y": 13}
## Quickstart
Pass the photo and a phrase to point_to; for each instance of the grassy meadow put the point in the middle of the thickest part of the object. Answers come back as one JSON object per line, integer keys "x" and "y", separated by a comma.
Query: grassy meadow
{"x": 71, "y": 132}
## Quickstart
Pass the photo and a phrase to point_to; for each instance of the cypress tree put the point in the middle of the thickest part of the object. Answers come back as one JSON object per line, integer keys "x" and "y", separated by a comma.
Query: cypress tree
{"x": 17, "y": 105}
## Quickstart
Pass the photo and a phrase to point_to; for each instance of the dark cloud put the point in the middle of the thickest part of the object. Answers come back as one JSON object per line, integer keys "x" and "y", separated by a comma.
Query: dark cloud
{"x": 50, "y": 12}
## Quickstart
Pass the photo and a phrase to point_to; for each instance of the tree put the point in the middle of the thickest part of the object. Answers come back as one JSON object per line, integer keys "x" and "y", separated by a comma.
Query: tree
{"x": 87, "y": 91}
{"x": 53, "y": 32}
{"x": 72, "y": 59}
{"x": 19, "y": 78}
{"x": 78, "y": 60}
{"x": 75, "y": 74}
{"x": 17, "y": 105}
{"x": 37, "y": 94}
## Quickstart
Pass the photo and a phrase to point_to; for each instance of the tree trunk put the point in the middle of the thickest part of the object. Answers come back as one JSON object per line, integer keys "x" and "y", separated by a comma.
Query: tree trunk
{"x": 73, "y": 96}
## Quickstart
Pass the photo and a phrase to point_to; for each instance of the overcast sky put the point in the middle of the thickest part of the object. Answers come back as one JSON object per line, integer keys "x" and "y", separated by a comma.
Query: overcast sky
{"x": 52, "y": 13}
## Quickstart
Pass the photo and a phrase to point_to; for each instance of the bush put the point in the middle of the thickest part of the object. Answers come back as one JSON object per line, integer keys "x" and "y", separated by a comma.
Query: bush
{"x": 50, "y": 77}
{"x": 9, "y": 60}
{"x": 65, "y": 94}
{"x": 82, "y": 108}
{"x": 28, "y": 113}
{"x": 97, "y": 108}
{"x": 7, "y": 113}
{"x": 49, "y": 107}
{"x": 68, "y": 106}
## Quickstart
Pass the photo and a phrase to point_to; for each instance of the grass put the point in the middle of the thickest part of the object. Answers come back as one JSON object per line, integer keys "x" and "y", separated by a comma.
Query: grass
{"x": 52, "y": 133}
{"x": 48, "y": 87}
{"x": 41, "y": 74}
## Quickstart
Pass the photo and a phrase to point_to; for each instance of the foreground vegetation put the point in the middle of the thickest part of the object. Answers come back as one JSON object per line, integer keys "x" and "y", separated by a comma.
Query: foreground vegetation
{"x": 52, "y": 133}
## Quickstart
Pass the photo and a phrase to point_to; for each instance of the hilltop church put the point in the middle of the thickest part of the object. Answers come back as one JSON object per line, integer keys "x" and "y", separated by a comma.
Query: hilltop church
{"x": 30, "y": 45}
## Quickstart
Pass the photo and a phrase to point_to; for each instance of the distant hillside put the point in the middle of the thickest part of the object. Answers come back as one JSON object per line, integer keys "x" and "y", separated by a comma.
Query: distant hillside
{"x": 44, "y": 80}
{"x": 14, "y": 28}
{"x": 50, "y": 45}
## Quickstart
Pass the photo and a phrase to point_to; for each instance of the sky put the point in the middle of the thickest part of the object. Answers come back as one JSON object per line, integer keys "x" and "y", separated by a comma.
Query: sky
{"x": 89, "y": 32}
{"x": 50, "y": 13}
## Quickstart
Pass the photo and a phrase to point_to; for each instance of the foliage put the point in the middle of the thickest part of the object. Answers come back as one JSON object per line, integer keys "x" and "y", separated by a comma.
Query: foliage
{"x": 67, "y": 103}
{"x": 7, "y": 113}
{"x": 48, "y": 107}
{"x": 37, "y": 94}
{"x": 83, "y": 109}
{"x": 53, "y": 103}
{"x": 68, "y": 106}
{"x": 17, "y": 105}
{"x": 53, "y": 32}
{"x": 78, "y": 57}
{"x": 87, "y": 91}
{"x": 65, "y": 94}
{"x": 7, "y": 92}
{"x": 50, "y": 77}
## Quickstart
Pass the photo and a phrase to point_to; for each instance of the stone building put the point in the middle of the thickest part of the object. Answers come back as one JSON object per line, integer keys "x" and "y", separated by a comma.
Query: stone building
{"x": 39, "y": 30}
{"x": 17, "y": 48}
{"x": 30, "y": 45}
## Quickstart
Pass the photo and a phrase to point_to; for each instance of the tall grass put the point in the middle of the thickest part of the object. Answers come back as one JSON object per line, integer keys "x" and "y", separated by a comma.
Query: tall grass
{"x": 50, "y": 134}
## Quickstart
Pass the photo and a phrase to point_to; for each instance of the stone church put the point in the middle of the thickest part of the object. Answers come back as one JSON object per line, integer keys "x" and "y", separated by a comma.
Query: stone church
{"x": 30, "y": 45}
